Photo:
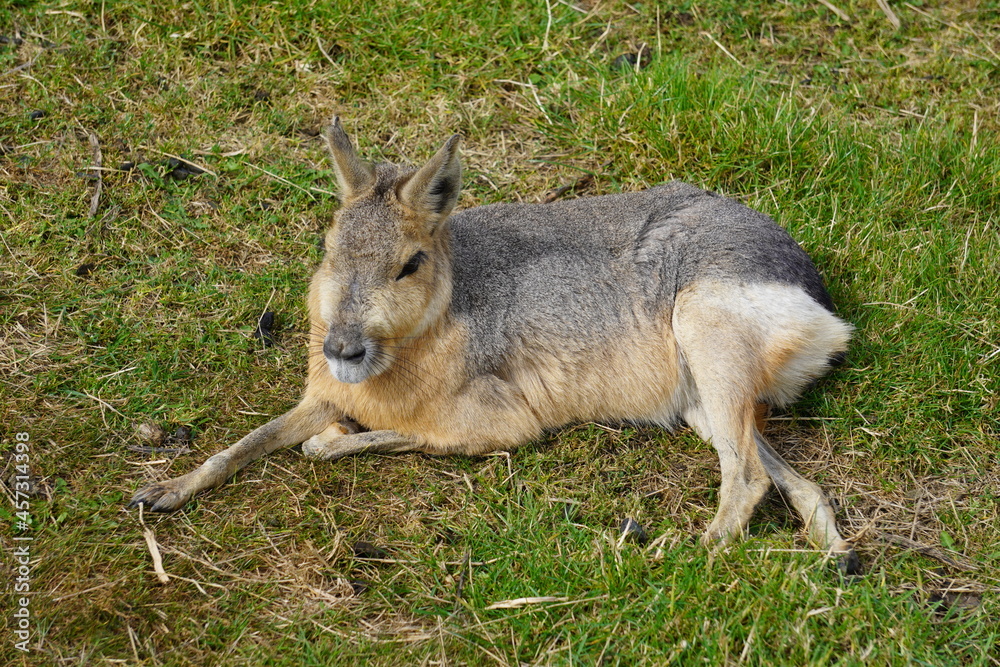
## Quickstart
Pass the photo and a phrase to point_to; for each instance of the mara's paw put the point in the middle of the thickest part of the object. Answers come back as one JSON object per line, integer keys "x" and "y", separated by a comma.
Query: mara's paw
{"x": 318, "y": 448}
{"x": 715, "y": 541}
{"x": 721, "y": 533}
{"x": 322, "y": 445}
{"x": 849, "y": 564}
{"x": 160, "y": 497}
{"x": 847, "y": 559}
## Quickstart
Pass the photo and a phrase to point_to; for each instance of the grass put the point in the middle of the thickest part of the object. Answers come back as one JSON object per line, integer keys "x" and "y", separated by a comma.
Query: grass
{"x": 875, "y": 146}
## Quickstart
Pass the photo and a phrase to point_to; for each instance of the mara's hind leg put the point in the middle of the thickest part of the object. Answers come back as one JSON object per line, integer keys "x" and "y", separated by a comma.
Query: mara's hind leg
{"x": 811, "y": 504}
{"x": 721, "y": 364}
{"x": 744, "y": 478}
{"x": 718, "y": 339}
{"x": 742, "y": 344}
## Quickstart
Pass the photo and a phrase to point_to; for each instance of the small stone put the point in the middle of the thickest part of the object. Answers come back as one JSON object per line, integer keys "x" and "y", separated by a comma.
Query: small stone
{"x": 369, "y": 550}
{"x": 182, "y": 435}
{"x": 36, "y": 115}
{"x": 628, "y": 61}
{"x": 154, "y": 434}
{"x": 631, "y": 531}
{"x": 27, "y": 485}
{"x": 265, "y": 329}
{"x": 180, "y": 170}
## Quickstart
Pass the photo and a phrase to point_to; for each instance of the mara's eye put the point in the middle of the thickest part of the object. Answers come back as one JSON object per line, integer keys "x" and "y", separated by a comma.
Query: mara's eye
{"x": 412, "y": 265}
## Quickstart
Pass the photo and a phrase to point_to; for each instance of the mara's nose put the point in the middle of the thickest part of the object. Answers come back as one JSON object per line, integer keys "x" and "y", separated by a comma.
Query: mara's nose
{"x": 348, "y": 349}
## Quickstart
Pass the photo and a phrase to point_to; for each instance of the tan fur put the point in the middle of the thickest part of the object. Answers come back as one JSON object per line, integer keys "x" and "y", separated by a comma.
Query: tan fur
{"x": 388, "y": 353}
{"x": 760, "y": 414}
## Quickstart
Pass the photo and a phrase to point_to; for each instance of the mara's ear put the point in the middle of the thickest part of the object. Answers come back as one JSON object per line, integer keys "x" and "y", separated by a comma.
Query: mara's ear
{"x": 354, "y": 174}
{"x": 434, "y": 188}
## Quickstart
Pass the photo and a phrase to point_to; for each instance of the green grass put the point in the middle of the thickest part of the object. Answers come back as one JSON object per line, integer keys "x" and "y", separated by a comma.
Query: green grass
{"x": 877, "y": 148}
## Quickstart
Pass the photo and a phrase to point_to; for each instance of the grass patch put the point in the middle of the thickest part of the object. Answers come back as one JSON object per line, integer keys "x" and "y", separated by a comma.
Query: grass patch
{"x": 875, "y": 146}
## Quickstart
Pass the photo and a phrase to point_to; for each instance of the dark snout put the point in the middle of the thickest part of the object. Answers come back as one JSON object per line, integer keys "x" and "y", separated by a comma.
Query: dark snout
{"x": 350, "y": 355}
{"x": 345, "y": 346}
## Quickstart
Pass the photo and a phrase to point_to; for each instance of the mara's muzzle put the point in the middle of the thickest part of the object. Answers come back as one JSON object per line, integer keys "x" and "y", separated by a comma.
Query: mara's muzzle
{"x": 349, "y": 354}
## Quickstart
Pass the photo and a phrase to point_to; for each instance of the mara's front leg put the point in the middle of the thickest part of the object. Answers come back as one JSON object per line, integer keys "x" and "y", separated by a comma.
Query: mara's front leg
{"x": 301, "y": 422}
{"x": 485, "y": 415}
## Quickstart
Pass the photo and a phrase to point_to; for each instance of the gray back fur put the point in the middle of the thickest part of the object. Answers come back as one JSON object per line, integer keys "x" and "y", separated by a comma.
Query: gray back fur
{"x": 579, "y": 271}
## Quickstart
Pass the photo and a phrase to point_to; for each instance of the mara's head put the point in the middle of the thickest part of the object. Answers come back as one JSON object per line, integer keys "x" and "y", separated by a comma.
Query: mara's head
{"x": 386, "y": 276}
